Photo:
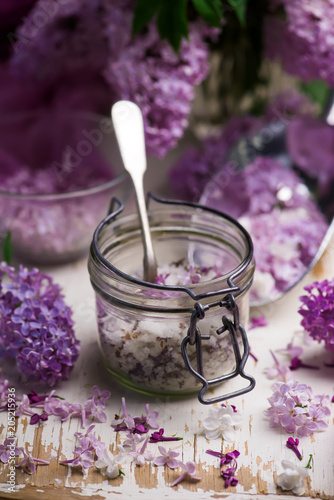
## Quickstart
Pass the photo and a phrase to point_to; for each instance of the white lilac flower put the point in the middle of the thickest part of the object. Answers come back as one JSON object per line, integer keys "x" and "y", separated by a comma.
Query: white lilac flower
{"x": 221, "y": 422}
{"x": 142, "y": 456}
{"x": 167, "y": 458}
{"x": 108, "y": 463}
{"x": 292, "y": 478}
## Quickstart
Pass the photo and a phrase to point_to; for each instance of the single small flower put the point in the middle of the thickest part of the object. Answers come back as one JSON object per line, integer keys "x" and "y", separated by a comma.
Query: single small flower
{"x": 159, "y": 436}
{"x": 151, "y": 417}
{"x": 6, "y": 450}
{"x": 293, "y": 445}
{"x": 292, "y": 478}
{"x": 296, "y": 363}
{"x": 191, "y": 277}
{"x": 161, "y": 279}
{"x": 291, "y": 350}
{"x": 139, "y": 429}
{"x": 37, "y": 418}
{"x": 167, "y": 458}
{"x": 108, "y": 463}
{"x": 142, "y": 456}
{"x": 278, "y": 371}
{"x": 222, "y": 422}
{"x": 189, "y": 471}
{"x": 89, "y": 440}
{"x": 229, "y": 477}
{"x": 35, "y": 398}
{"x": 225, "y": 458}
{"x": 28, "y": 464}
{"x": 124, "y": 418}
{"x": 23, "y": 407}
{"x": 133, "y": 440}
{"x": 257, "y": 322}
{"x": 84, "y": 459}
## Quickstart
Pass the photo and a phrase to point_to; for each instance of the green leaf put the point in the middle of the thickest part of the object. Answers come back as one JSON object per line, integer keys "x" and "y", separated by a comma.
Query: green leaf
{"x": 7, "y": 249}
{"x": 240, "y": 7}
{"x": 172, "y": 22}
{"x": 317, "y": 90}
{"x": 210, "y": 10}
{"x": 144, "y": 12}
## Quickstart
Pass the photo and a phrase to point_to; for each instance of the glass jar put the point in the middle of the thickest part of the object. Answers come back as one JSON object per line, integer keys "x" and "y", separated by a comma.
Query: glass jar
{"x": 173, "y": 340}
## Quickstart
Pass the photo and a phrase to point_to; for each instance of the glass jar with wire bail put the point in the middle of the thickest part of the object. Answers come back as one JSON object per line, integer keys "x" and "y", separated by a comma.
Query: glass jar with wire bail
{"x": 182, "y": 334}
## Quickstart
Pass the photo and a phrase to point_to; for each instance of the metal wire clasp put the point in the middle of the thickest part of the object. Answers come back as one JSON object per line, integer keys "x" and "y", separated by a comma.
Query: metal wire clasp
{"x": 194, "y": 337}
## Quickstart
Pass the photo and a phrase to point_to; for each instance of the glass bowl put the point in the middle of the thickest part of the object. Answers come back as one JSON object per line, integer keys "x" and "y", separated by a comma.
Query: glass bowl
{"x": 72, "y": 153}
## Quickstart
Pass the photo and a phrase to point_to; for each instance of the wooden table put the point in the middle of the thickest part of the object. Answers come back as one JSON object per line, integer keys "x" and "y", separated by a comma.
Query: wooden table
{"x": 262, "y": 448}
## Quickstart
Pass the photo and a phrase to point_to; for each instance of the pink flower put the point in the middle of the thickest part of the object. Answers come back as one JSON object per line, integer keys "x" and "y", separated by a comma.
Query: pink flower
{"x": 84, "y": 459}
{"x": 124, "y": 418}
{"x": 7, "y": 449}
{"x": 167, "y": 458}
{"x": 142, "y": 456}
{"x": 28, "y": 464}
{"x": 189, "y": 471}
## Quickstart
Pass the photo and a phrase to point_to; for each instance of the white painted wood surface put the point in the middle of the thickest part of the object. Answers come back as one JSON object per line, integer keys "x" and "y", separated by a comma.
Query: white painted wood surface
{"x": 262, "y": 448}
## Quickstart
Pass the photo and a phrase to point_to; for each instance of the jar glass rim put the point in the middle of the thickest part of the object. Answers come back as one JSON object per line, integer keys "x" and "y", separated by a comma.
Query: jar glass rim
{"x": 192, "y": 288}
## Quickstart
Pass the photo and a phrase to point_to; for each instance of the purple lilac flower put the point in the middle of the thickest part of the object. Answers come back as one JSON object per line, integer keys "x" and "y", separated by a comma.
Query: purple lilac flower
{"x": 27, "y": 335}
{"x": 9, "y": 449}
{"x": 158, "y": 436}
{"x": 167, "y": 458}
{"x": 304, "y": 40}
{"x": 257, "y": 322}
{"x": 296, "y": 363}
{"x": 189, "y": 471}
{"x": 278, "y": 371}
{"x": 314, "y": 153}
{"x": 317, "y": 312}
{"x": 4, "y": 385}
{"x": 28, "y": 464}
{"x": 124, "y": 418}
{"x": 294, "y": 408}
{"x": 141, "y": 456}
{"x": 229, "y": 477}
{"x": 197, "y": 166}
{"x": 293, "y": 445}
{"x": 273, "y": 204}
{"x": 89, "y": 440}
{"x": 95, "y": 37}
{"x": 37, "y": 418}
{"x": 83, "y": 459}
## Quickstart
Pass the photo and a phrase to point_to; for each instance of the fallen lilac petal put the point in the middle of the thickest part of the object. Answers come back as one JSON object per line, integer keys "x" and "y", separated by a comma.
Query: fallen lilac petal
{"x": 296, "y": 363}
{"x": 293, "y": 445}
{"x": 158, "y": 436}
{"x": 257, "y": 322}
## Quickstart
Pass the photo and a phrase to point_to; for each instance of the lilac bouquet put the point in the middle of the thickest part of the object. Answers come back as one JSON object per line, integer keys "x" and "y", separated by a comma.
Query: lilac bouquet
{"x": 36, "y": 325}
{"x": 317, "y": 310}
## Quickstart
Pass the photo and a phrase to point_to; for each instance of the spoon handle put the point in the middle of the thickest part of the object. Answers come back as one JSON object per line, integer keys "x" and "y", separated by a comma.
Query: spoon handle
{"x": 129, "y": 129}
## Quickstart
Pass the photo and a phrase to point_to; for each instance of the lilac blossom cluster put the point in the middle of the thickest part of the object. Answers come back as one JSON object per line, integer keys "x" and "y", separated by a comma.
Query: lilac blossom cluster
{"x": 198, "y": 164}
{"x": 36, "y": 325}
{"x": 285, "y": 224}
{"x": 95, "y": 37}
{"x": 303, "y": 41}
{"x": 317, "y": 312}
{"x": 49, "y": 229}
{"x": 294, "y": 408}
{"x": 227, "y": 459}
{"x": 27, "y": 180}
